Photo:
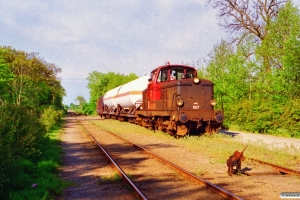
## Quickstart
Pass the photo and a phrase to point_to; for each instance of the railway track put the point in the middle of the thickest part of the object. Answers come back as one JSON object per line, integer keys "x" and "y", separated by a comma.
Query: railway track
{"x": 282, "y": 170}
{"x": 172, "y": 180}
{"x": 259, "y": 182}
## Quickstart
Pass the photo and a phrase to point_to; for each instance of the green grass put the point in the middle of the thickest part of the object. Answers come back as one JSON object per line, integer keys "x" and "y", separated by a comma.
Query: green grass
{"x": 116, "y": 178}
{"x": 43, "y": 172}
{"x": 217, "y": 148}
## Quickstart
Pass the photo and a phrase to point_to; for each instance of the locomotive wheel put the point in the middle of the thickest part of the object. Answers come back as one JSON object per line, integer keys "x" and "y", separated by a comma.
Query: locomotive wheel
{"x": 159, "y": 124}
{"x": 181, "y": 130}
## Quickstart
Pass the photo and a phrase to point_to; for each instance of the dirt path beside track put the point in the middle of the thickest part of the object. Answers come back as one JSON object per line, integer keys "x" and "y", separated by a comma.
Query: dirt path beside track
{"x": 86, "y": 168}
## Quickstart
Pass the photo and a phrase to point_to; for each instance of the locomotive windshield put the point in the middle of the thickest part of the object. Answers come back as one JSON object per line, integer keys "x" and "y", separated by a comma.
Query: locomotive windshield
{"x": 175, "y": 73}
{"x": 190, "y": 73}
{"x": 163, "y": 75}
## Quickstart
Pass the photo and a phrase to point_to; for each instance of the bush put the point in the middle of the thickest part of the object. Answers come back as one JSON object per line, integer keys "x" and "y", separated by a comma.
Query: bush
{"x": 265, "y": 116}
{"x": 87, "y": 109}
{"x": 50, "y": 117}
{"x": 20, "y": 134}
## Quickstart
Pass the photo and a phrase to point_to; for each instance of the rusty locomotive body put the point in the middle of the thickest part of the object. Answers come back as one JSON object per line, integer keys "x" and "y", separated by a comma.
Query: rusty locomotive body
{"x": 172, "y": 99}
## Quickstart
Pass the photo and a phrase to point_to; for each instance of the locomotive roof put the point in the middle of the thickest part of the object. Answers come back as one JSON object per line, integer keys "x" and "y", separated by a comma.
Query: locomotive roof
{"x": 173, "y": 65}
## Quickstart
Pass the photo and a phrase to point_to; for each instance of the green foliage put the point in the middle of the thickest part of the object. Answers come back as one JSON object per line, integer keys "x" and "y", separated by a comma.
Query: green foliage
{"x": 40, "y": 170}
{"x": 266, "y": 117}
{"x": 6, "y": 76}
{"x": 73, "y": 106}
{"x": 85, "y": 109}
{"x": 259, "y": 82}
{"x": 282, "y": 45}
{"x": 81, "y": 100}
{"x": 29, "y": 80}
{"x": 231, "y": 71}
{"x": 28, "y": 85}
{"x": 50, "y": 117}
{"x": 20, "y": 134}
{"x": 100, "y": 83}
{"x": 89, "y": 108}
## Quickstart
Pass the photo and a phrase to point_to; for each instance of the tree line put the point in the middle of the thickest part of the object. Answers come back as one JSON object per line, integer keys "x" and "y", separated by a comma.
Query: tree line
{"x": 256, "y": 71}
{"x": 99, "y": 83}
{"x": 30, "y": 104}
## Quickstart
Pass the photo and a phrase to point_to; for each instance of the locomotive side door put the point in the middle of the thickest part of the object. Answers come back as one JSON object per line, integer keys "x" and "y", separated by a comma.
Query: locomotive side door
{"x": 153, "y": 90}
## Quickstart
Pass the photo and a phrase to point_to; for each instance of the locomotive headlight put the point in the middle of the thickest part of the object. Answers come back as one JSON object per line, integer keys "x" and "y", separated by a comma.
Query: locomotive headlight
{"x": 196, "y": 80}
{"x": 213, "y": 102}
{"x": 179, "y": 102}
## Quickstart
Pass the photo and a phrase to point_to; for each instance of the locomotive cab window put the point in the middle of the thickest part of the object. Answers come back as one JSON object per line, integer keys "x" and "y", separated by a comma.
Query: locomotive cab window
{"x": 163, "y": 75}
{"x": 176, "y": 73}
{"x": 190, "y": 73}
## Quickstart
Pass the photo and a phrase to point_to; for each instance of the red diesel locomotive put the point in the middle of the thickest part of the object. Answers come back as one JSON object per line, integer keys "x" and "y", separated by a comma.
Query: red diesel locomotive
{"x": 172, "y": 99}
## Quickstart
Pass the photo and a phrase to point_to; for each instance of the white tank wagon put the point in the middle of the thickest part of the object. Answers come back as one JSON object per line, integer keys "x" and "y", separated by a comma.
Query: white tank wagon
{"x": 123, "y": 99}
{"x": 131, "y": 92}
{"x": 109, "y": 99}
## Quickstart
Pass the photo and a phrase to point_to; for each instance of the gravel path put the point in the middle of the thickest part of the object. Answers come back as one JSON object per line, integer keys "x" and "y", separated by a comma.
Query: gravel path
{"x": 272, "y": 141}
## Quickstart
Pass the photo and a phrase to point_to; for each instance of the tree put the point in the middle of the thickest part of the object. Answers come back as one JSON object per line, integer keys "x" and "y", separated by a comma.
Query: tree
{"x": 283, "y": 47}
{"x": 35, "y": 84}
{"x": 259, "y": 75}
{"x": 81, "y": 100}
{"x": 248, "y": 17}
{"x": 6, "y": 76}
{"x": 231, "y": 70}
{"x": 100, "y": 83}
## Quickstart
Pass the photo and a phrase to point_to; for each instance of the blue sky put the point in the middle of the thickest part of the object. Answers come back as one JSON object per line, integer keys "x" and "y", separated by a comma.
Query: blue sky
{"x": 129, "y": 36}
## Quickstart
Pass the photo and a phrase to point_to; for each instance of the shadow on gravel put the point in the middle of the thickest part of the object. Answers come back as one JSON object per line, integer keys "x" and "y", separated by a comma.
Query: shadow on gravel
{"x": 160, "y": 145}
{"x": 230, "y": 133}
{"x": 84, "y": 167}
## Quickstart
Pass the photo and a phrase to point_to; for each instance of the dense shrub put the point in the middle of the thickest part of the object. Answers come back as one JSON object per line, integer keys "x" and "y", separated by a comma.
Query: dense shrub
{"x": 88, "y": 109}
{"x": 20, "y": 134}
{"x": 265, "y": 117}
{"x": 50, "y": 117}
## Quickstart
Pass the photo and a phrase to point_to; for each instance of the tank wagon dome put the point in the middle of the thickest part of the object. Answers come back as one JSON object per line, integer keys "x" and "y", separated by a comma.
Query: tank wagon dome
{"x": 128, "y": 94}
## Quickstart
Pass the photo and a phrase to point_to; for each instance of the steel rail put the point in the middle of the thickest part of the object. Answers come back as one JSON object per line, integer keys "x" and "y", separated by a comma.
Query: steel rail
{"x": 222, "y": 192}
{"x": 120, "y": 171}
{"x": 277, "y": 168}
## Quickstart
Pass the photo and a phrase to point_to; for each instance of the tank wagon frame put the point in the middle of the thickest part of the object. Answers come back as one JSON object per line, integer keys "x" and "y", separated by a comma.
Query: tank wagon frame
{"x": 172, "y": 99}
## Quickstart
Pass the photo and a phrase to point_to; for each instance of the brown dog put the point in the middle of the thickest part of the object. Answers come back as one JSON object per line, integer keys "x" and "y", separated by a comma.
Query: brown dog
{"x": 236, "y": 160}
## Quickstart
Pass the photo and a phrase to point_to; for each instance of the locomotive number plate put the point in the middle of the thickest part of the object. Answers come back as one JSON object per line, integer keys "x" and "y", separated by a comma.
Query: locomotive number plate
{"x": 195, "y": 107}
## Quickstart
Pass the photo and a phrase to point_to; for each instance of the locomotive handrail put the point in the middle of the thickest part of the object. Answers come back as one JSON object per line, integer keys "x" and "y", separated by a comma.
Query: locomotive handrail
{"x": 175, "y": 94}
